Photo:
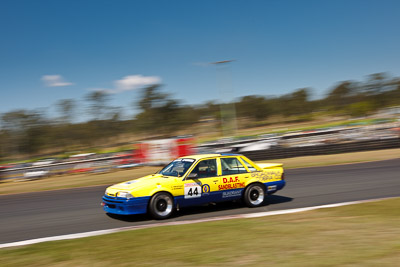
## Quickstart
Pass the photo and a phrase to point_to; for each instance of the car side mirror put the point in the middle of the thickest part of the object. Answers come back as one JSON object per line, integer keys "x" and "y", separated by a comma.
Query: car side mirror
{"x": 192, "y": 175}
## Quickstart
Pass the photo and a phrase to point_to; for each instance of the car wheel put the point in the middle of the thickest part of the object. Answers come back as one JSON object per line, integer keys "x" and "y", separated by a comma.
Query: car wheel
{"x": 161, "y": 206}
{"x": 254, "y": 195}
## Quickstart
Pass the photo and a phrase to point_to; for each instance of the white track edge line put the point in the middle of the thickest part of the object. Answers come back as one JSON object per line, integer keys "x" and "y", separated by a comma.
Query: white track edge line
{"x": 220, "y": 218}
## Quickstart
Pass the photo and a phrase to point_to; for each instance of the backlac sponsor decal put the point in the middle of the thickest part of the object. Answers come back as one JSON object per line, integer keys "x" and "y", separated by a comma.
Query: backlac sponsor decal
{"x": 233, "y": 193}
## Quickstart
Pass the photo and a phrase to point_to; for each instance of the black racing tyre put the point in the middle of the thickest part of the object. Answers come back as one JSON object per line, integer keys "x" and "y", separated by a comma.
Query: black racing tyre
{"x": 254, "y": 195}
{"x": 161, "y": 206}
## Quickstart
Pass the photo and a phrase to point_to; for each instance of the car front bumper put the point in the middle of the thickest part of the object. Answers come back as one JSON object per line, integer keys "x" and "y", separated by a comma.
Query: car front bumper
{"x": 122, "y": 206}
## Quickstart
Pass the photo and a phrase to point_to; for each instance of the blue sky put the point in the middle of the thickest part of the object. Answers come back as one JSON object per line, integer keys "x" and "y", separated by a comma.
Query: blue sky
{"x": 52, "y": 50}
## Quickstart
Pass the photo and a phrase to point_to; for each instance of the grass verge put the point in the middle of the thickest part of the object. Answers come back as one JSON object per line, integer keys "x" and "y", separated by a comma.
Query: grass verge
{"x": 74, "y": 180}
{"x": 357, "y": 235}
{"x": 81, "y": 180}
{"x": 344, "y": 158}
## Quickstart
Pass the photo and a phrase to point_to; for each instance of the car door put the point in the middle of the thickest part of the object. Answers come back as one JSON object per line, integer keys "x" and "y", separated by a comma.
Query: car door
{"x": 233, "y": 178}
{"x": 201, "y": 184}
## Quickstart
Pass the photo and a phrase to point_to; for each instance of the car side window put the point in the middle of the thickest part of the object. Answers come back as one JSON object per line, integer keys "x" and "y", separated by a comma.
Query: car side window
{"x": 204, "y": 169}
{"x": 249, "y": 166}
{"x": 232, "y": 166}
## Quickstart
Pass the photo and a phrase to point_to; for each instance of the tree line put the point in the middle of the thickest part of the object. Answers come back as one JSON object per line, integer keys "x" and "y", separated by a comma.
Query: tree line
{"x": 29, "y": 132}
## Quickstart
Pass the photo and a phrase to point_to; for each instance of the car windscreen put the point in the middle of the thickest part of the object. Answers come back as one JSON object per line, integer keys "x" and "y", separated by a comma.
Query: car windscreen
{"x": 177, "y": 168}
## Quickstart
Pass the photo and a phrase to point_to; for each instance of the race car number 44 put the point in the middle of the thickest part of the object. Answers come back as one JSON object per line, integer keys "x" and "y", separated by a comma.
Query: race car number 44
{"x": 192, "y": 190}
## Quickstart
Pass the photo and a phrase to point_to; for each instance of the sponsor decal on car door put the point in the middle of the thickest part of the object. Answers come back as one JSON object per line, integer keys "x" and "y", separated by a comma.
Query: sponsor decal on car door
{"x": 201, "y": 184}
{"x": 233, "y": 178}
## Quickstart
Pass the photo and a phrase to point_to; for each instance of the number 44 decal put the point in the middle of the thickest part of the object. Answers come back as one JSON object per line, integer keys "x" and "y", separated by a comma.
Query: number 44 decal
{"x": 192, "y": 190}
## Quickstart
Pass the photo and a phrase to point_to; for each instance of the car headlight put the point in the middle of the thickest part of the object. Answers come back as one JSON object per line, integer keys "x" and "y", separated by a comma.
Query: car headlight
{"x": 124, "y": 194}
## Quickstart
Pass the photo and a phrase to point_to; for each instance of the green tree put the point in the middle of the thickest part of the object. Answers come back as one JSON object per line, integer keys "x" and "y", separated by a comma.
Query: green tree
{"x": 360, "y": 109}
{"x": 296, "y": 103}
{"x": 66, "y": 108}
{"x": 26, "y": 131}
{"x": 254, "y": 107}
{"x": 159, "y": 113}
{"x": 376, "y": 83}
{"x": 98, "y": 104}
{"x": 341, "y": 95}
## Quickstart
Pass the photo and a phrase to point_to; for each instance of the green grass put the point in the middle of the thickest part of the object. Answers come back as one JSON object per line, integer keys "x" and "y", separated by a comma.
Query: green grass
{"x": 74, "y": 180}
{"x": 284, "y": 129}
{"x": 344, "y": 158}
{"x": 357, "y": 235}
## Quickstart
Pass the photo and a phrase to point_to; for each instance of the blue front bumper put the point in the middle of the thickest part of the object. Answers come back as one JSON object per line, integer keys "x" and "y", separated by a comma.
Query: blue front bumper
{"x": 122, "y": 206}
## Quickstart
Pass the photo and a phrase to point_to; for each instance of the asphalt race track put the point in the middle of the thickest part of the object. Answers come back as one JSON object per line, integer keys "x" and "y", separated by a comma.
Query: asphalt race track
{"x": 44, "y": 214}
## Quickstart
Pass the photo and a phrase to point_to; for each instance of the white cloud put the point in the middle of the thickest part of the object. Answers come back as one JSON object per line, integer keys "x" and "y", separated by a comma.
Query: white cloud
{"x": 54, "y": 81}
{"x": 130, "y": 82}
{"x": 133, "y": 82}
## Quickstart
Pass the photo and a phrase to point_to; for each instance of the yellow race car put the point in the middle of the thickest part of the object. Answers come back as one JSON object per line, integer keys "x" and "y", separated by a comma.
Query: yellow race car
{"x": 195, "y": 180}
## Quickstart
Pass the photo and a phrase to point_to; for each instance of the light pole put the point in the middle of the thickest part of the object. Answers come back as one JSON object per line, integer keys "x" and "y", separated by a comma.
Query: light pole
{"x": 228, "y": 112}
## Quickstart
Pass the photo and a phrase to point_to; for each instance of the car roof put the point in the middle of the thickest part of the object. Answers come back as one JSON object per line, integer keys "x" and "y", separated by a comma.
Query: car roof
{"x": 202, "y": 156}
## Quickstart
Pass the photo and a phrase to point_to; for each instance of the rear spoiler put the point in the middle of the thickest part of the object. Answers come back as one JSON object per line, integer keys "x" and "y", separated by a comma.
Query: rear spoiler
{"x": 269, "y": 165}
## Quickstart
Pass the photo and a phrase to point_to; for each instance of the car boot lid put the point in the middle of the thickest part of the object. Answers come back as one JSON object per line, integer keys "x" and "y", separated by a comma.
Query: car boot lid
{"x": 269, "y": 165}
